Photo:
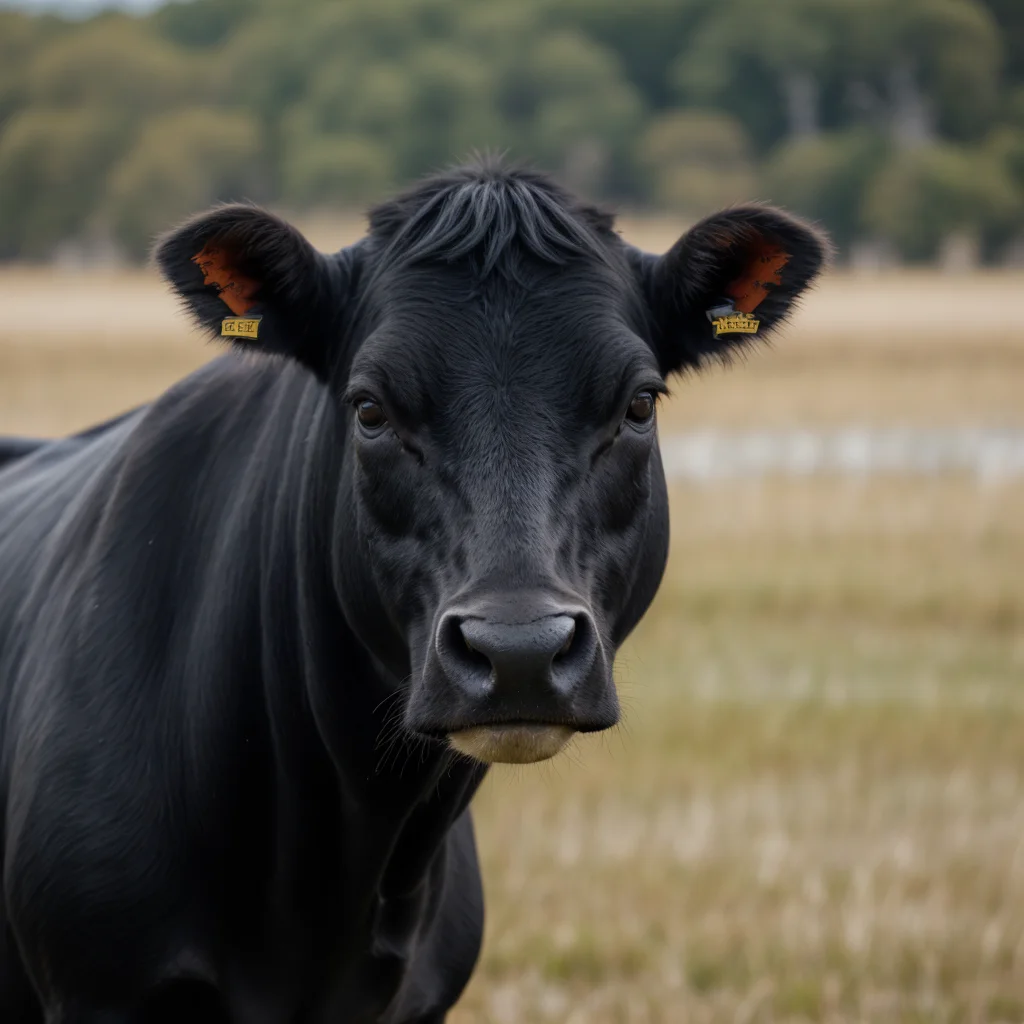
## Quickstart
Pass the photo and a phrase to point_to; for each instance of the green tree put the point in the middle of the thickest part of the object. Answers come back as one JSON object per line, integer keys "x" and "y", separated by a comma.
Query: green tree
{"x": 183, "y": 161}
{"x": 925, "y": 194}
{"x": 452, "y": 109}
{"x": 116, "y": 64}
{"x": 86, "y": 95}
{"x": 763, "y": 63}
{"x": 1006, "y": 147}
{"x": 22, "y": 38}
{"x": 837, "y": 108}
{"x": 262, "y": 67}
{"x": 201, "y": 23}
{"x": 645, "y": 35}
{"x": 920, "y": 66}
{"x": 1009, "y": 16}
{"x": 937, "y": 61}
{"x": 569, "y": 106}
{"x": 824, "y": 177}
{"x": 697, "y": 161}
{"x": 337, "y": 170}
{"x": 53, "y": 168}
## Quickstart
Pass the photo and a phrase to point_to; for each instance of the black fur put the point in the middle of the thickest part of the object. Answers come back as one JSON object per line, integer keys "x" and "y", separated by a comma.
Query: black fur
{"x": 494, "y": 214}
{"x": 12, "y": 448}
{"x": 231, "y": 621}
{"x": 684, "y": 283}
{"x": 299, "y": 284}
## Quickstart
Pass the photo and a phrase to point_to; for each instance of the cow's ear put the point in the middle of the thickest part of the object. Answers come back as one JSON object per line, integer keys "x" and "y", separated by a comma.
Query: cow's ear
{"x": 732, "y": 278}
{"x": 253, "y": 279}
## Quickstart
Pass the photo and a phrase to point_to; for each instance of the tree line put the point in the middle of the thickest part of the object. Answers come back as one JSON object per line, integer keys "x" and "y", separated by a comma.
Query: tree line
{"x": 898, "y": 123}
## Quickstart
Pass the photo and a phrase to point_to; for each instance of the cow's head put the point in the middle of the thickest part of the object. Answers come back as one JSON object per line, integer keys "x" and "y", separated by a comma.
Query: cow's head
{"x": 497, "y": 354}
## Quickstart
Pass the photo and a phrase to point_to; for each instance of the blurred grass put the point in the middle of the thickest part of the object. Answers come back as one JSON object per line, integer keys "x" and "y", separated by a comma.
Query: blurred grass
{"x": 814, "y": 810}
{"x": 826, "y": 381}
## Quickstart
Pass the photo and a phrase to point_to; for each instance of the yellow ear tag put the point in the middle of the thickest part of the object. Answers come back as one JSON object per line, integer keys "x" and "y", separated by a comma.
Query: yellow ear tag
{"x": 735, "y": 323}
{"x": 240, "y": 327}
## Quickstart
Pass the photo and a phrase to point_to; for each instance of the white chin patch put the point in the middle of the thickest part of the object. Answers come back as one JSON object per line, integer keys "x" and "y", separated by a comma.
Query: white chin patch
{"x": 511, "y": 744}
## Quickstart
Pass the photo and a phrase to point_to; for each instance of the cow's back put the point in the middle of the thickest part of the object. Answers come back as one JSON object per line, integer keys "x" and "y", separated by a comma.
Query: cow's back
{"x": 101, "y": 500}
{"x": 44, "y": 497}
{"x": 128, "y": 561}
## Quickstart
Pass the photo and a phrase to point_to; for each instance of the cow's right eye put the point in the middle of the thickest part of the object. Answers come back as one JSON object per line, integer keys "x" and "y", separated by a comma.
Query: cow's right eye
{"x": 641, "y": 409}
{"x": 370, "y": 414}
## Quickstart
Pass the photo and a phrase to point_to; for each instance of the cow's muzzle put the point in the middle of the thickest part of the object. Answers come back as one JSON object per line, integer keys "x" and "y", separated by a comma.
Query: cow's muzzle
{"x": 516, "y": 690}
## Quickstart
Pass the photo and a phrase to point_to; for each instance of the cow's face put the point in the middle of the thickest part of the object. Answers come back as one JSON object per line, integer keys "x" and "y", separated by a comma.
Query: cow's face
{"x": 509, "y": 494}
{"x": 499, "y": 411}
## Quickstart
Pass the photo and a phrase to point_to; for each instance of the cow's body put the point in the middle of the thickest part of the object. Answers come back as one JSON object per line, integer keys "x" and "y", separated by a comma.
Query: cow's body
{"x": 302, "y": 881}
{"x": 13, "y": 448}
{"x": 259, "y": 639}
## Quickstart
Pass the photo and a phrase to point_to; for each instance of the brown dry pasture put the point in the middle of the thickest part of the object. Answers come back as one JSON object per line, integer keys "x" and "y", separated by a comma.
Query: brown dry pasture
{"x": 814, "y": 808}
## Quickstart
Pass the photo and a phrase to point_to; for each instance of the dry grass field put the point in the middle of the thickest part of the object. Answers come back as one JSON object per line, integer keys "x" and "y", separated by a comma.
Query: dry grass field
{"x": 814, "y": 810}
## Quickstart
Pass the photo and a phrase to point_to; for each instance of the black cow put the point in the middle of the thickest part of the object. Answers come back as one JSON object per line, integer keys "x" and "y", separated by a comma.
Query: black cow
{"x": 260, "y": 638}
{"x": 12, "y": 448}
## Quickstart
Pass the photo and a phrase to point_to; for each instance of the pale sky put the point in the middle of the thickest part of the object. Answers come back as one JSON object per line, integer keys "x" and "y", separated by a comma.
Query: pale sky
{"x": 81, "y": 8}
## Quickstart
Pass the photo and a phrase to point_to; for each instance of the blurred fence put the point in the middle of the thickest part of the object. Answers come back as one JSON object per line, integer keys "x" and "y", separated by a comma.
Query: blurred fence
{"x": 989, "y": 454}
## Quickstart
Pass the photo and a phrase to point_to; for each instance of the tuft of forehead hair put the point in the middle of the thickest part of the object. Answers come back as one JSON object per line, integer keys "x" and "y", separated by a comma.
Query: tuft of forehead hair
{"x": 491, "y": 215}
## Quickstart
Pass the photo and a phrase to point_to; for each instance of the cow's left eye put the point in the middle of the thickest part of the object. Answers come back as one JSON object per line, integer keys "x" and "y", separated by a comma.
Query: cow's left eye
{"x": 641, "y": 409}
{"x": 370, "y": 414}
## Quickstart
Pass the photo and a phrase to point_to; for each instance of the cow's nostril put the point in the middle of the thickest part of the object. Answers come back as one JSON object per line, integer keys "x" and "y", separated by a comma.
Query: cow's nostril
{"x": 456, "y": 647}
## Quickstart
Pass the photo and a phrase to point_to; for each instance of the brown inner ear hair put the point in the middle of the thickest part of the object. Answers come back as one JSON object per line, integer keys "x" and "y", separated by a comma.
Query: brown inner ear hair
{"x": 237, "y": 291}
{"x": 763, "y": 272}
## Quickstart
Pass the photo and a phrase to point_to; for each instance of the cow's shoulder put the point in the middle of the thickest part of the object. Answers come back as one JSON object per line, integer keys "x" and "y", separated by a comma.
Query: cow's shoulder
{"x": 118, "y": 548}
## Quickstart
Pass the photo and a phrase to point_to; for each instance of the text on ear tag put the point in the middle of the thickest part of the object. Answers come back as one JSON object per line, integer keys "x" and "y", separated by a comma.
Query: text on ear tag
{"x": 736, "y": 323}
{"x": 240, "y": 327}
{"x": 727, "y": 319}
